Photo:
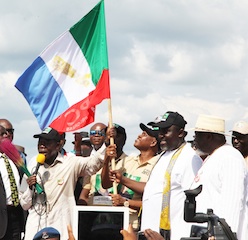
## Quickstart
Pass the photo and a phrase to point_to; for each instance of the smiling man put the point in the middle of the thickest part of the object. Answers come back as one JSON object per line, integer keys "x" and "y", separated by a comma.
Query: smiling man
{"x": 172, "y": 174}
{"x": 163, "y": 198}
{"x": 58, "y": 177}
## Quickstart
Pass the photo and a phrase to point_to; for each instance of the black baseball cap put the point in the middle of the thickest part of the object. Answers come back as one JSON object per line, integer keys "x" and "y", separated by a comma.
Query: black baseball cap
{"x": 156, "y": 120}
{"x": 119, "y": 129}
{"x": 49, "y": 134}
{"x": 169, "y": 119}
{"x": 153, "y": 131}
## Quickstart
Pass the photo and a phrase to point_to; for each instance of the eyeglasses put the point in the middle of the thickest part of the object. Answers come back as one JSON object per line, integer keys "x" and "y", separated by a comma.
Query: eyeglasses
{"x": 97, "y": 132}
{"x": 3, "y": 133}
{"x": 10, "y": 130}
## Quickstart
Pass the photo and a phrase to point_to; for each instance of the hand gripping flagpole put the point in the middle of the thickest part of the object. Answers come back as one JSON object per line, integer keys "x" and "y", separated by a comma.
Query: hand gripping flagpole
{"x": 112, "y": 142}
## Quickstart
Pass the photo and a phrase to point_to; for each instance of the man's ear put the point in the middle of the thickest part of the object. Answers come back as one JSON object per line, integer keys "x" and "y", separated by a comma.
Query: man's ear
{"x": 62, "y": 142}
{"x": 58, "y": 145}
{"x": 182, "y": 133}
{"x": 154, "y": 142}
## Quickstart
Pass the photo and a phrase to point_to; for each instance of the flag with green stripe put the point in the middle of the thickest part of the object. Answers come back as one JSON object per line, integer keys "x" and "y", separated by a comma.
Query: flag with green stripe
{"x": 71, "y": 76}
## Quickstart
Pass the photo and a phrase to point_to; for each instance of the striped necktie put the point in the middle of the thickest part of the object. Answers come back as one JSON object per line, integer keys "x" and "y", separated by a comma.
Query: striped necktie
{"x": 13, "y": 187}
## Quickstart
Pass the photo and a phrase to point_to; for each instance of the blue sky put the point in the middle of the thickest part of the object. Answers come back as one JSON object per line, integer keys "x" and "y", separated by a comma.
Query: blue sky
{"x": 186, "y": 56}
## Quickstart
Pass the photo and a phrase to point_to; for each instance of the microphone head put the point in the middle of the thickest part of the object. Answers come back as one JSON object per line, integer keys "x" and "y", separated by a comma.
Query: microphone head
{"x": 41, "y": 158}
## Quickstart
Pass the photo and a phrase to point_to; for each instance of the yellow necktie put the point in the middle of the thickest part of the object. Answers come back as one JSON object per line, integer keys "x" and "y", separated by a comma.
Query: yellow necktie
{"x": 13, "y": 187}
{"x": 165, "y": 212}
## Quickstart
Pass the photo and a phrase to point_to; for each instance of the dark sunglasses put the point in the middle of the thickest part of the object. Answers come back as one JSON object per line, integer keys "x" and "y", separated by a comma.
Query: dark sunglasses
{"x": 10, "y": 130}
{"x": 3, "y": 133}
{"x": 97, "y": 132}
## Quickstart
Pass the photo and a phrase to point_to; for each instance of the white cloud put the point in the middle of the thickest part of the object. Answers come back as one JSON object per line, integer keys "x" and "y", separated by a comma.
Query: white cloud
{"x": 186, "y": 56}
{"x": 233, "y": 53}
{"x": 7, "y": 80}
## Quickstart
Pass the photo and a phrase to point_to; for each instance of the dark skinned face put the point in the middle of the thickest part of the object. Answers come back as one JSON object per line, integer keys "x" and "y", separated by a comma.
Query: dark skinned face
{"x": 144, "y": 141}
{"x": 240, "y": 142}
{"x": 97, "y": 135}
{"x": 49, "y": 148}
{"x": 3, "y": 133}
{"x": 202, "y": 142}
{"x": 170, "y": 138}
{"x": 9, "y": 129}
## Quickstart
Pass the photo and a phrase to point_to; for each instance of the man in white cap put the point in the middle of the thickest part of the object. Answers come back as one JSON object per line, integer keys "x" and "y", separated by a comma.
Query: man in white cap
{"x": 223, "y": 175}
{"x": 240, "y": 138}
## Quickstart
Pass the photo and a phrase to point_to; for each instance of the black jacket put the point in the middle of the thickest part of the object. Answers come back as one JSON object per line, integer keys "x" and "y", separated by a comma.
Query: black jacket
{"x": 3, "y": 209}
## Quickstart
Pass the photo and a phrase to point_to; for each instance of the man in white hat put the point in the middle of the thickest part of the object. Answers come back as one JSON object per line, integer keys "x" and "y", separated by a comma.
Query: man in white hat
{"x": 240, "y": 138}
{"x": 223, "y": 175}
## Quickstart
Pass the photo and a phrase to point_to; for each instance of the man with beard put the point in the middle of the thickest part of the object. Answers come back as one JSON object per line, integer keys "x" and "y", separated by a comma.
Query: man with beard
{"x": 170, "y": 177}
{"x": 163, "y": 197}
{"x": 223, "y": 175}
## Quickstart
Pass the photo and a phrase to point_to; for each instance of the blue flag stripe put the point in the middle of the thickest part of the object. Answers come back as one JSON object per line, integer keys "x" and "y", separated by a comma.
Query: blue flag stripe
{"x": 42, "y": 92}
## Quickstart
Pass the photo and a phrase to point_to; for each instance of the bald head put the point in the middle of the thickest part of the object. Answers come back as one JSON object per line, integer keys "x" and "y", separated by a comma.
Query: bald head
{"x": 5, "y": 123}
{"x": 2, "y": 129}
{"x": 9, "y": 128}
{"x": 3, "y": 133}
{"x": 98, "y": 126}
{"x": 97, "y": 135}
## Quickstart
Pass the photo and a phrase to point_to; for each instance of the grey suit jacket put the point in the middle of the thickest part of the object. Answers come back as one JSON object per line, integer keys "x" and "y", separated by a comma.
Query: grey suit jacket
{"x": 3, "y": 209}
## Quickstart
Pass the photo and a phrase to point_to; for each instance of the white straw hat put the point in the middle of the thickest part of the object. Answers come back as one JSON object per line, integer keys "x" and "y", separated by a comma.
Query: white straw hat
{"x": 240, "y": 127}
{"x": 212, "y": 124}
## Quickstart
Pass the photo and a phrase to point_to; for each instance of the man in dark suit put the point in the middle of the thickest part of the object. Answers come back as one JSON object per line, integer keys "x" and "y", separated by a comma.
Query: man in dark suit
{"x": 11, "y": 212}
{"x": 3, "y": 209}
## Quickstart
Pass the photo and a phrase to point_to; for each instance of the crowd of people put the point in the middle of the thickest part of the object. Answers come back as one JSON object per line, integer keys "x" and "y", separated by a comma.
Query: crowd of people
{"x": 151, "y": 184}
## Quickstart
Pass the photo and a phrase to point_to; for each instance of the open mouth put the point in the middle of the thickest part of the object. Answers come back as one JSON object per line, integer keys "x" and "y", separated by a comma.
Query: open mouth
{"x": 41, "y": 152}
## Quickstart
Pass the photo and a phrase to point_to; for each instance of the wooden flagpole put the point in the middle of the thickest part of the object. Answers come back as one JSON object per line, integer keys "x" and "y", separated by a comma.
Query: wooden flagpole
{"x": 112, "y": 142}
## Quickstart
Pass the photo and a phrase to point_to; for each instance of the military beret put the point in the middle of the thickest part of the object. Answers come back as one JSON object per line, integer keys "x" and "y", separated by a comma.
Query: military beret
{"x": 46, "y": 233}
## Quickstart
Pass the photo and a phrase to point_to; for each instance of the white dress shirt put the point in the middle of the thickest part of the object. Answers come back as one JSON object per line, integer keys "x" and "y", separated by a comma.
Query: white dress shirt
{"x": 58, "y": 180}
{"x": 223, "y": 176}
{"x": 184, "y": 170}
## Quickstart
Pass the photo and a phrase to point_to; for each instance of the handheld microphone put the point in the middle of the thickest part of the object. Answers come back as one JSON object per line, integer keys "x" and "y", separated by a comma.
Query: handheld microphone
{"x": 40, "y": 161}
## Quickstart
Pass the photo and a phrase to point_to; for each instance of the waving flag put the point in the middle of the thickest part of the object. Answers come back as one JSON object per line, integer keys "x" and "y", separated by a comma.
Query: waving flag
{"x": 70, "y": 77}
